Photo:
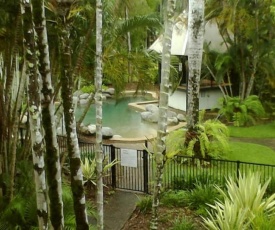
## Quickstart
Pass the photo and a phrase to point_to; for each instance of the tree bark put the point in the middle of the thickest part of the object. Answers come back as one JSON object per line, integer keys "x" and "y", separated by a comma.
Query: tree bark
{"x": 98, "y": 103}
{"x": 163, "y": 107}
{"x": 35, "y": 115}
{"x": 67, "y": 82}
{"x": 48, "y": 119}
{"x": 195, "y": 49}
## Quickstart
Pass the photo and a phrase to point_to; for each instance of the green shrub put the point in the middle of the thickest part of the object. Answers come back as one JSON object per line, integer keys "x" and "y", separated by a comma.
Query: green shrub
{"x": 189, "y": 183}
{"x": 182, "y": 183}
{"x": 88, "y": 89}
{"x": 263, "y": 222}
{"x": 174, "y": 198}
{"x": 200, "y": 196}
{"x": 183, "y": 224}
{"x": 144, "y": 205}
{"x": 242, "y": 112}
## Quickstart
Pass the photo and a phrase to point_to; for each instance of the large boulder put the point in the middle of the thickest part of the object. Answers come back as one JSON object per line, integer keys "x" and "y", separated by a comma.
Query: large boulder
{"x": 107, "y": 132}
{"x": 107, "y": 95}
{"x": 152, "y": 108}
{"x": 84, "y": 96}
{"x": 149, "y": 116}
{"x": 83, "y": 101}
{"x": 172, "y": 121}
{"x": 110, "y": 91}
{"x": 181, "y": 117}
{"x": 91, "y": 128}
{"x": 87, "y": 130}
{"x": 171, "y": 114}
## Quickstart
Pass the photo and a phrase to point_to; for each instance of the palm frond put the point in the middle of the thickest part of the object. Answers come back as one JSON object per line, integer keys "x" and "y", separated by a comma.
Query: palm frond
{"x": 137, "y": 22}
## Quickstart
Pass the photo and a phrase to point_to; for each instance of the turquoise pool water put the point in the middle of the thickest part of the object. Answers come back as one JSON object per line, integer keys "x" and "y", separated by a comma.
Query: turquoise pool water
{"x": 125, "y": 121}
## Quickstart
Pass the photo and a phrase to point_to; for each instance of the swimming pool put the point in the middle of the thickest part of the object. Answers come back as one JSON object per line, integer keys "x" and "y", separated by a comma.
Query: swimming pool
{"x": 125, "y": 121}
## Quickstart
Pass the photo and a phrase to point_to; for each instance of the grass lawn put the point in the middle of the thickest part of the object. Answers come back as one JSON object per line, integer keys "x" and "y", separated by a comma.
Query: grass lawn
{"x": 253, "y": 153}
{"x": 249, "y": 152}
{"x": 257, "y": 131}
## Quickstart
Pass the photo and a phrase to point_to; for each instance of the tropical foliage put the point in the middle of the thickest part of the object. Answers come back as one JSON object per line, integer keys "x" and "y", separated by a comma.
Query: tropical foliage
{"x": 247, "y": 59}
{"x": 242, "y": 112}
{"x": 210, "y": 140}
{"x": 243, "y": 206}
{"x": 89, "y": 170}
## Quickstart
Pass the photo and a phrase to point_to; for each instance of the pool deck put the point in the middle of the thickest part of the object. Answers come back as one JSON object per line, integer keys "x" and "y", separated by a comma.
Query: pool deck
{"x": 145, "y": 138}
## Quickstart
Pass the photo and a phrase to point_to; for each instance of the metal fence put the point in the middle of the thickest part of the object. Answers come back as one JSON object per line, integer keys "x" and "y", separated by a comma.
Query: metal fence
{"x": 184, "y": 171}
{"x": 179, "y": 173}
{"x": 134, "y": 178}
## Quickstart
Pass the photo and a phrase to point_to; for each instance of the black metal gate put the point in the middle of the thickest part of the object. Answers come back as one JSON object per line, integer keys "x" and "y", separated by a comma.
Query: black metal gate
{"x": 133, "y": 175}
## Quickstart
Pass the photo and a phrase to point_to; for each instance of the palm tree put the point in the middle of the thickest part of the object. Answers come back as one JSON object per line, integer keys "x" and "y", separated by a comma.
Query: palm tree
{"x": 98, "y": 103}
{"x": 48, "y": 119}
{"x": 163, "y": 107}
{"x": 247, "y": 37}
{"x": 67, "y": 82}
{"x": 195, "y": 49}
{"x": 35, "y": 115}
{"x": 12, "y": 87}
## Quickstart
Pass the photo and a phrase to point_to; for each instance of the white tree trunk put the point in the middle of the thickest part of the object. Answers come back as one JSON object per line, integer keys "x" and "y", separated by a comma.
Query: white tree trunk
{"x": 163, "y": 107}
{"x": 98, "y": 104}
{"x": 70, "y": 123}
{"x": 195, "y": 49}
{"x": 48, "y": 118}
{"x": 34, "y": 102}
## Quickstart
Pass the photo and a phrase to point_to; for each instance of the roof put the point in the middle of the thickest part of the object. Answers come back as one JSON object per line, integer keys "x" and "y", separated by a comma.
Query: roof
{"x": 179, "y": 44}
{"x": 179, "y": 38}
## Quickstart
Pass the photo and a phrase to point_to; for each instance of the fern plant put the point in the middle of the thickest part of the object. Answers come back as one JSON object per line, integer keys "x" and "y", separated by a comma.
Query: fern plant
{"x": 209, "y": 140}
{"x": 241, "y": 112}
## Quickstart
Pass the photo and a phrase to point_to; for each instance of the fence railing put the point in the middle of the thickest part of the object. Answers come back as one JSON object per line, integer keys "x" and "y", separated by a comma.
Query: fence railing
{"x": 184, "y": 171}
{"x": 179, "y": 173}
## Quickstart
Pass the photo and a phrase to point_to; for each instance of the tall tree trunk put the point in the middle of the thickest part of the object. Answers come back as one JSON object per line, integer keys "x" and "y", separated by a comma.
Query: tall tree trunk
{"x": 163, "y": 107}
{"x": 35, "y": 114}
{"x": 67, "y": 82}
{"x": 195, "y": 49}
{"x": 48, "y": 119}
{"x": 11, "y": 67}
{"x": 98, "y": 103}
{"x": 15, "y": 115}
{"x": 129, "y": 47}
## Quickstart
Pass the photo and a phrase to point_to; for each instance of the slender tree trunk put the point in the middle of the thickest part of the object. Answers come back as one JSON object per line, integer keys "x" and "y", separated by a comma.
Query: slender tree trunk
{"x": 255, "y": 57}
{"x": 8, "y": 89}
{"x": 35, "y": 114}
{"x": 67, "y": 82}
{"x": 195, "y": 49}
{"x": 77, "y": 69}
{"x": 129, "y": 48}
{"x": 16, "y": 120}
{"x": 163, "y": 107}
{"x": 98, "y": 103}
{"x": 48, "y": 119}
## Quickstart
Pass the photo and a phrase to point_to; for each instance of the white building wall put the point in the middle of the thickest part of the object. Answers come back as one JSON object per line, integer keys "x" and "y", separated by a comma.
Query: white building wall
{"x": 208, "y": 98}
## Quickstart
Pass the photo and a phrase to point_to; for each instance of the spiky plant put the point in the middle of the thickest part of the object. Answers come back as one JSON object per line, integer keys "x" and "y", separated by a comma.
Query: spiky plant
{"x": 88, "y": 167}
{"x": 243, "y": 202}
{"x": 242, "y": 113}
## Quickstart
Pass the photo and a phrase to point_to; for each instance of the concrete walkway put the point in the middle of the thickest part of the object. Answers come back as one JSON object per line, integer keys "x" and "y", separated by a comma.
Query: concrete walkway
{"x": 119, "y": 209}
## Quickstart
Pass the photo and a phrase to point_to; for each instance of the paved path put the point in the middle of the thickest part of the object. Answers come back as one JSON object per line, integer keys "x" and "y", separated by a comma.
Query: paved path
{"x": 119, "y": 209}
